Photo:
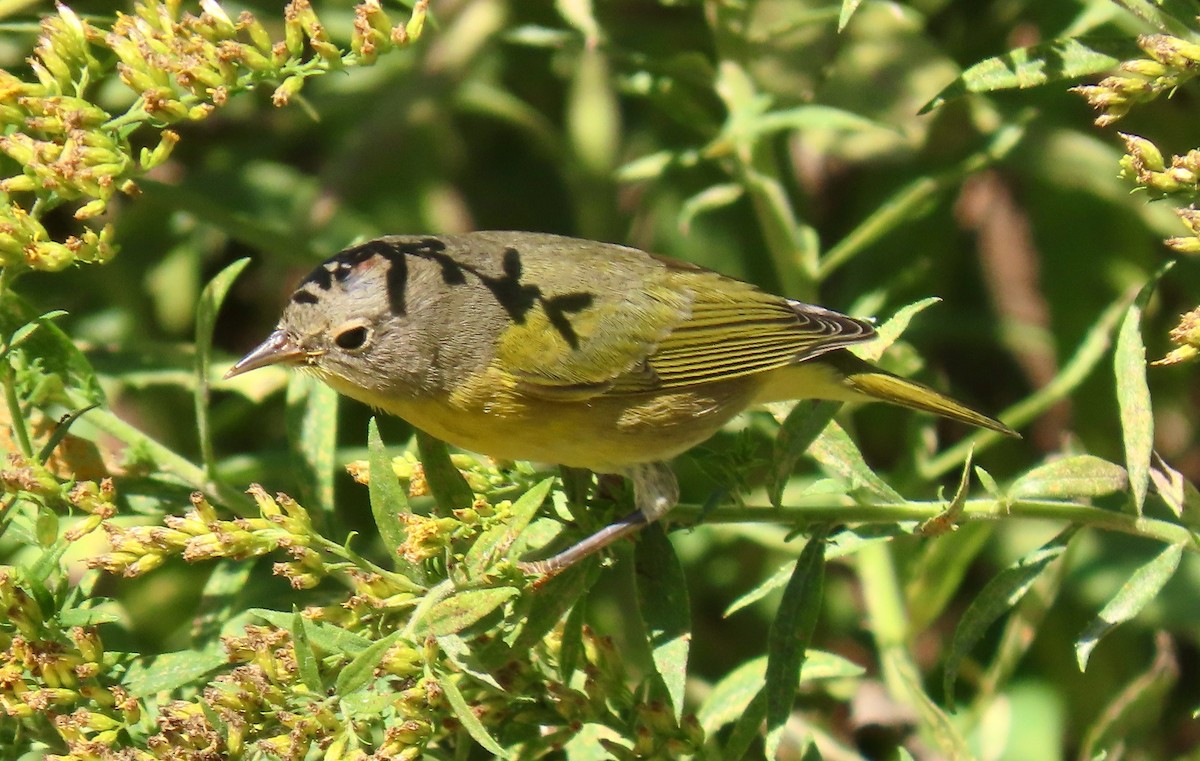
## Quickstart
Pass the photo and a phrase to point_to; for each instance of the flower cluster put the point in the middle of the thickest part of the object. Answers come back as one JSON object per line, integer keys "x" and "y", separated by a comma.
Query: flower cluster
{"x": 1170, "y": 62}
{"x": 1186, "y": 337}
{"x": 200, "y": 535}
{"x": 62, "y": 674}
{"x": 22, "y": 477}
{"x": 181, "y": 66}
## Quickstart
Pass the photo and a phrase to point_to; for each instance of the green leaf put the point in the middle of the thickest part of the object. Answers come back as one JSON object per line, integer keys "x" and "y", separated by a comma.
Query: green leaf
{"x": 709, "y": 199}
{"x": 219, "y": 600}
{"x": 848, "y": 9}
{"x": 1133, "y": 393}
{"x": 170, "y": 671}
{"x": 55, "y": 355}
{"x": 1070, "y": 477}
{"x": 813, "y": 117}
{"x": 1177, "y": 17}
{"x": 467, "y": 717}
{"x": 449, "y": 488}
{"x": 731, "y": 696}
{"x": 840, "y": 545}
{"x": 324, "y": 636}
{"x": 571, "y": 648}
{"x": 461, "y": 610}
{"x": 746, "y": 728}
{"x": 359, "y": 672}
{"x": 494, "y": 542}
{"x": 538, "y": 612}
{"x": 1037, "y": 65}
{"x": 887, "y": 333}
{"x": 312, "y": 418}
{"x": 1177, "y": 492}
{"x": 1142, "y": 587}
{"x": 791, "y": 634}
{"x": 23, "y": 333}
{"x": 662, "y": 597}
{"x": 211, "y": 299}
{"x": 388, "y": 501}
{"x": 999, "y": 596}
{"x": 306, "y": 659}
{"x": 800, "y": 428}
{"x": 839, "y": 456}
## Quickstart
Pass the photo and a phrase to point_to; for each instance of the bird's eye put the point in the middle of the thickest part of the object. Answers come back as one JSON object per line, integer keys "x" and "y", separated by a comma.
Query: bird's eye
{"x": 351, "y": 338}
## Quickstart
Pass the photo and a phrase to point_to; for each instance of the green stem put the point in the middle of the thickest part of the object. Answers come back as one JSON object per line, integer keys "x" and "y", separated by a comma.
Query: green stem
{"x": 790, "y": 243}
{"x": 973, "y": 510}
{"x": 162, "y": 456}
{"x": 341, "y": 551}
{"x": 1091, "y": 351}
{"x": 15, "y": 415}
{"x": 906, "y": 203}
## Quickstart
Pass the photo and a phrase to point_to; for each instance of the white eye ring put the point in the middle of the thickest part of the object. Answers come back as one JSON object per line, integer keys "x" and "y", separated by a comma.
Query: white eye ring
{"x": 352, "y": 336}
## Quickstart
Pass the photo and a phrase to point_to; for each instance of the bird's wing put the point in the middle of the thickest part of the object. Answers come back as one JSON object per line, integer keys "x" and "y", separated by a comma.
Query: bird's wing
{"x": 575, "y": 345}
{"x": 733, "y": 330}
{"x": 688, "y": 327}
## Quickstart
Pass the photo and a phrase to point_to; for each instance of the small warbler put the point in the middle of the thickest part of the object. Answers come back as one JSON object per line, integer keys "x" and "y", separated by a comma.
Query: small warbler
{"x": 525, "y": 346}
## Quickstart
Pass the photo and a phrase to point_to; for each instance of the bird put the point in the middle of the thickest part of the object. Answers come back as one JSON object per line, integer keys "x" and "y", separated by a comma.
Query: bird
{"x": 532, "y": 346}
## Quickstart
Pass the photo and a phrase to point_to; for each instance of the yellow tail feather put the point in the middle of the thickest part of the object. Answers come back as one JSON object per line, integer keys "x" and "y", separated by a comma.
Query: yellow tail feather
{"x": 878, "y": 384}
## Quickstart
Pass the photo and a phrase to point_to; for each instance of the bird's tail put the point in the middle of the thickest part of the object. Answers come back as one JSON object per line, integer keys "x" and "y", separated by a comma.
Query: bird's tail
{"x": 869, "y": 380}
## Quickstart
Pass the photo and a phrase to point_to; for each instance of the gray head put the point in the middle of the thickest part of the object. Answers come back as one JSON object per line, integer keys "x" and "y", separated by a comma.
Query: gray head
{"x": 353, "y": 321}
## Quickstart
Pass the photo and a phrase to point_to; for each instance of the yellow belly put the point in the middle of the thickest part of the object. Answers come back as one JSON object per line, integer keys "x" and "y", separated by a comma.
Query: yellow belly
{"x": 603, "y": 433}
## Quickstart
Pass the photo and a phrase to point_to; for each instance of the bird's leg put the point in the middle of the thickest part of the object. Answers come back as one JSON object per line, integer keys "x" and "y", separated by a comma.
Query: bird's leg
{"x": 655, "y": 492}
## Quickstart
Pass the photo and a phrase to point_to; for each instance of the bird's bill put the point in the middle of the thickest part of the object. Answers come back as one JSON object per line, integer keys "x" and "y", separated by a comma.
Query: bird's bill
{"x": 279, "y": 348}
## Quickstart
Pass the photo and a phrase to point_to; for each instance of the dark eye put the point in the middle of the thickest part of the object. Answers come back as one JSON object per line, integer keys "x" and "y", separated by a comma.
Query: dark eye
{"x": 351, "y": 338}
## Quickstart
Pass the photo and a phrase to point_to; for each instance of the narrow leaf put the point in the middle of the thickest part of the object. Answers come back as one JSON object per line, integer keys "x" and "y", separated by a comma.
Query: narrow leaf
{"x": 359, "y": 672}
{"x": 790, "y": 635}
{"x": 323, "y": 636}
{"x": 662, "y": 597}
{"x": 887, "y": 333}
{"x": 1133, "y": 394}
{"x": 999, "y": 596}
{"x": 1038, "y": 65}
{"x": 848, "y": 9}
{"x": 170, "y": 671}
{"x": 492, "y": 544}
{"x": 306, "y": 659}
{"x": 800, "y": 428}
{"x": 1142, "y": 587}
{"x": 709, "y": 199}
{"x": 746, "y": 728}
{"x": 467, "y": 717}
{"x": 1070, "y": 477}
{"x": 206, "y": 319}
{"x": 840, "y": 457}
{"x": 459, "y": 611}
{"x": 945, "y": 521}
{"x": 388, "y": 501}
{"x": 731, "y": 696}
{"x": 312, "y": 414}
{"x": 449, "y": 488}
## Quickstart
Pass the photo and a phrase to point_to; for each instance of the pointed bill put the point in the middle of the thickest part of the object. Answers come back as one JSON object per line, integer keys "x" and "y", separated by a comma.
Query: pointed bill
{"x": 279, "y": 348}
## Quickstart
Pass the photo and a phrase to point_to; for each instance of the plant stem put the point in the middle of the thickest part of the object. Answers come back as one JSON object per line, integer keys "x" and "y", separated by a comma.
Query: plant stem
{"x": 974, "y": 510}
{"x": 16, "y": 416}
{"x": 905, "y": 204}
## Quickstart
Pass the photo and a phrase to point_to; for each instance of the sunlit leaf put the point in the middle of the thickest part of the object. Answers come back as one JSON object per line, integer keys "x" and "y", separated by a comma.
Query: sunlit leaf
{"x": 790, "y": 635}
{"x": 471, "y": 723}
{"x": 1133, "y": 393}
{"x": 1079, "y": 476}
{"x": 1038, "y": 65}
{"x": 1143, "y": 586}
{"x": 666, "y": 613}
{"x": 312, "y": 416}
{"x": 463, "y": 609}
{"x": 1000, "y": 595}
{"x": 800, "y": 428}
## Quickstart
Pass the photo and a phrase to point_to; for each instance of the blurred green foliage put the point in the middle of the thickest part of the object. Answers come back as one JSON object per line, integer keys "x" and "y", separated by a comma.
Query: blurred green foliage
{"x": 966, "y": 596}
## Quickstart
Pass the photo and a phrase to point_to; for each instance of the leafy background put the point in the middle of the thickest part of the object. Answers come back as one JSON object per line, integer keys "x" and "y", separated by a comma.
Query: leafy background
{"x": 784, "y": 142}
